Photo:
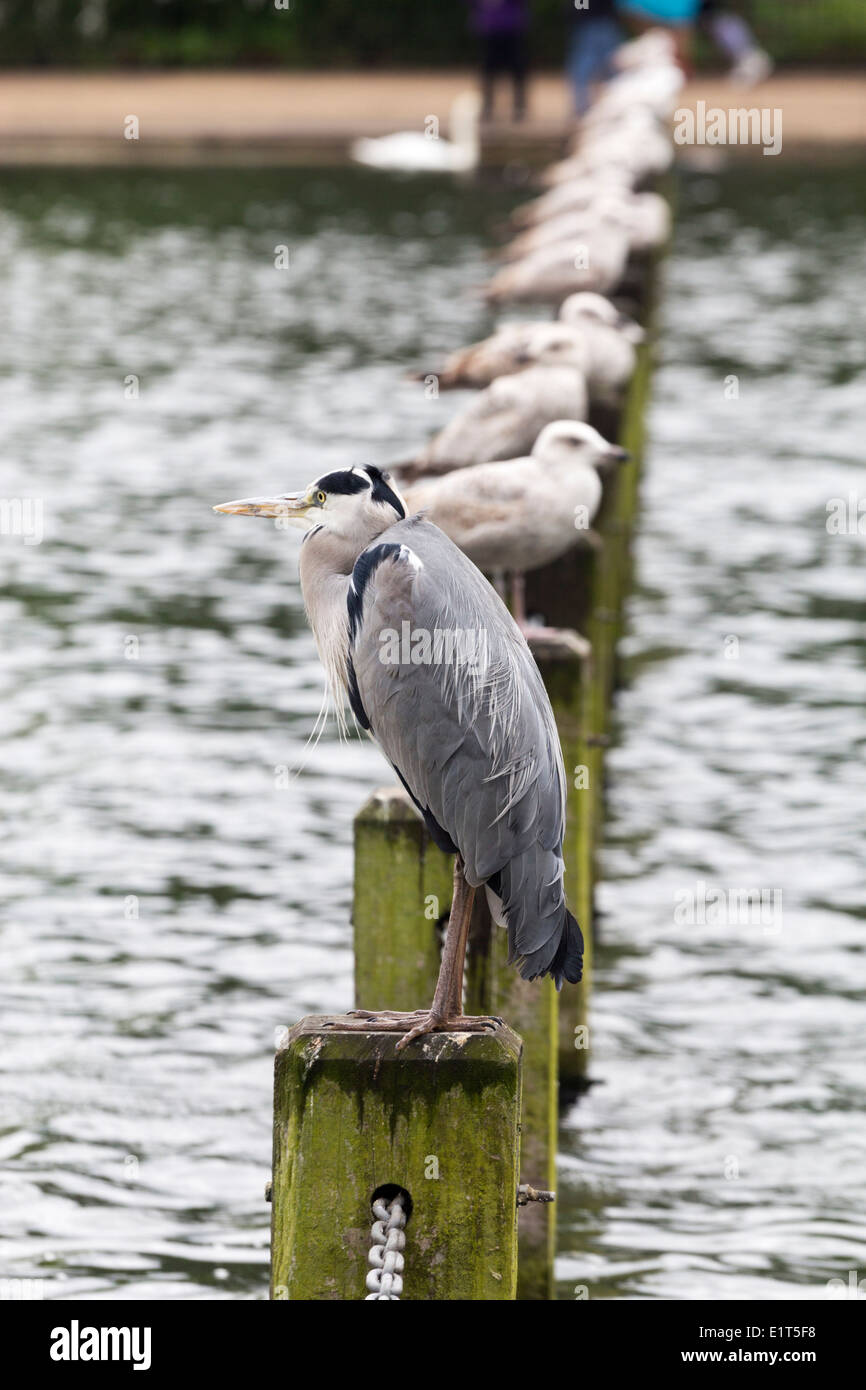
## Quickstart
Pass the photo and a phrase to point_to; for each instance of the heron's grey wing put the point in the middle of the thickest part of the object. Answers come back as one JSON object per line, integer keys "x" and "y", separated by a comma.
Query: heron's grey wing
{"x": 472, "y": 737}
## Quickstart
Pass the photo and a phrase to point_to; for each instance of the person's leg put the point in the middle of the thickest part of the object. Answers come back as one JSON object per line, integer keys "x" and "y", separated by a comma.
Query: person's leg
{"x": 593, "y": 44}
{"x": 519, "y": 64}
{"x": 488, "y": 75}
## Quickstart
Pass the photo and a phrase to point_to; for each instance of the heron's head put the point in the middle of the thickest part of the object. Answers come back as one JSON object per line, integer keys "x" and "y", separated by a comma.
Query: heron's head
{"x": 356, "y": 504}
{"x": 574, "y": 443}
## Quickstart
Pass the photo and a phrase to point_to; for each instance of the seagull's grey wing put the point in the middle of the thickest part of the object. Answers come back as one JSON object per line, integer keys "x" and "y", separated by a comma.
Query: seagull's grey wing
{"x": 444, "y": 681}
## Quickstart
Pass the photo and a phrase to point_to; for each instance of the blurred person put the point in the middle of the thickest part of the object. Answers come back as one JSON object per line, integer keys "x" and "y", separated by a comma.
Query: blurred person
{"x": 729, "y": 31}
{"x": 503, "y": 27}
{"x": 679, "y": 16}
{"x": 595, "y": 37}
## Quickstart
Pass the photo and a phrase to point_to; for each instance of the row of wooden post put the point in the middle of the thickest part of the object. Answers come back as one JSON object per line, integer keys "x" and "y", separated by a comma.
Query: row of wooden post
{"x": 456, "y": 1121}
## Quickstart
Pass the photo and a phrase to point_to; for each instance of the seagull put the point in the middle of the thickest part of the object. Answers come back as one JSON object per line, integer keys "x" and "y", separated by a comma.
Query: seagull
{"x": 654, "y": 48}
{"x": 504, "y": 420}
{"x": 516, "y": 515}
{"x": 656, "y": 87}
{"x": 413, "y": 151}
{"x": 644, "y": 150}
{"x": 512, "y": 348}
{"x": 597, "y": 262}
{"x": 645, "y": 218}
{"x": 591, "y": 334}
{"x": 468, "y": 730}
{"x": 578, "y": 193}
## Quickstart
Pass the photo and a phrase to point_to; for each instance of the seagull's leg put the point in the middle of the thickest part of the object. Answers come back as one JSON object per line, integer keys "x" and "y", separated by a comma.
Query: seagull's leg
{"x": 518, "y": 599}
{"x": 518, "y": 612}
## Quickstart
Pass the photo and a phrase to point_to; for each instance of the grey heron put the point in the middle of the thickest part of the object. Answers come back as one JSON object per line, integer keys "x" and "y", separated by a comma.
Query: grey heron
{"x": 516, "y": 515}
{"x": 470, "y": 734}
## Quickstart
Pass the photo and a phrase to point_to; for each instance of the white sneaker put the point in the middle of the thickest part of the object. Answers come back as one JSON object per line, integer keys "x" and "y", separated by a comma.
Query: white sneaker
{"x": 754, "y": 67}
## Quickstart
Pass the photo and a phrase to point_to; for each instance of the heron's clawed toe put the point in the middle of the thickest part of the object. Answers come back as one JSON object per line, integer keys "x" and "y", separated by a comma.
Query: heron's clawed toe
{"x": 457, "y": 1023}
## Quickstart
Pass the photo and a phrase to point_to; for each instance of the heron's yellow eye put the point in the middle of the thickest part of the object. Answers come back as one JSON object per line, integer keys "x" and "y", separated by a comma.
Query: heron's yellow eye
{"x": 320, "y": 498}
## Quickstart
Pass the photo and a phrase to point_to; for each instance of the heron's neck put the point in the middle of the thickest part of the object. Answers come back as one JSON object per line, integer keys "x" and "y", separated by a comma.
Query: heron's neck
{"x": 326, "y": 564}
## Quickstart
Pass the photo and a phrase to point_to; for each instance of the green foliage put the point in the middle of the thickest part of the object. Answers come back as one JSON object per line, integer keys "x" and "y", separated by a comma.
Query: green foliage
{"x": 349, "y": 33}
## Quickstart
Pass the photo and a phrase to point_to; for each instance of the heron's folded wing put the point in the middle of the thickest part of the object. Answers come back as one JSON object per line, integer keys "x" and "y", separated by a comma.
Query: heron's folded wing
{"x": 450, "y": 692}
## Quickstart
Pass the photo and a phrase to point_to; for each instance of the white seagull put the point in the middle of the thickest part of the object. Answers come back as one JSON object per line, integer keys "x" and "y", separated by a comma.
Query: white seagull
{"x": 515, "y": 515}
{"x": 504, "y": 420}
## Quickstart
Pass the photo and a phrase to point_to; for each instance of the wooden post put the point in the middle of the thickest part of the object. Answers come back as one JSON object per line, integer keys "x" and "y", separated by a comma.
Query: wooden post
{"x": 566, "y": 664}
{"x": 439, "y": 1120}
{"x": 402, "y": 895}
{"x": 531, "y": 1008}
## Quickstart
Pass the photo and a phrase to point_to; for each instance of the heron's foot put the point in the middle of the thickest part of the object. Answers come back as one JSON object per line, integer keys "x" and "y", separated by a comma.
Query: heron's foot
{"x": 375, "y": 1014}
{"x": 433, "y": 1022}
{"x": 414, "y": 1024}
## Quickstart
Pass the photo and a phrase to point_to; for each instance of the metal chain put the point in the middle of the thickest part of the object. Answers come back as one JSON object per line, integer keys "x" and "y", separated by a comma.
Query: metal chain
{"x": 385, "y": 1279}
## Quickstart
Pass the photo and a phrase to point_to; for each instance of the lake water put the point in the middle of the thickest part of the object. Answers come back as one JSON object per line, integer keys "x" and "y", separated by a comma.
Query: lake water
{"x": 172, "y": 899}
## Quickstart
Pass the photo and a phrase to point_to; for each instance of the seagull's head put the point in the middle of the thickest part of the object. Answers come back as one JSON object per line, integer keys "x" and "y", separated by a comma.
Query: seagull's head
{"x": 575, "y": 444}
{"x": 356, "y": 504}
{"x": 594, "y": 308}
{"x": 552, "y": 344}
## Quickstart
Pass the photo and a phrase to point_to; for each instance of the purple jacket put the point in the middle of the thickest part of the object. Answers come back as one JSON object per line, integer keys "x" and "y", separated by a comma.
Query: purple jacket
{"x": 499, "y": 16}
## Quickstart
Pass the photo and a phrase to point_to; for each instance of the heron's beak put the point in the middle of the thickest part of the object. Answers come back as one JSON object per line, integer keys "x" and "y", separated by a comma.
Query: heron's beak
{"x": 292, "y": 508}
{"x": 616, "y": 454}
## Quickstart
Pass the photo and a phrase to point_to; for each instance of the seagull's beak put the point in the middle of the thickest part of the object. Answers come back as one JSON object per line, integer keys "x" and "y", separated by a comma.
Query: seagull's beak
{"x": 616, "y": 454}
{"x": 292, "y": 508}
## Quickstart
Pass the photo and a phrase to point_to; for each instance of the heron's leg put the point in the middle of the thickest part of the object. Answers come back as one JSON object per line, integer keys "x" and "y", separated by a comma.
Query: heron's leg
{"x": 447, "y": 1007}
{"x": 448, "y": 998}
{"x": 499, "y": 584}
{"x": 446, "y": 1011}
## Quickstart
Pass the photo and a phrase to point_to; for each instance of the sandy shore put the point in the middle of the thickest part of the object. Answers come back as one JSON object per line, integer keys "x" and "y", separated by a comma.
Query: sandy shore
{"x": 62, "y": 117}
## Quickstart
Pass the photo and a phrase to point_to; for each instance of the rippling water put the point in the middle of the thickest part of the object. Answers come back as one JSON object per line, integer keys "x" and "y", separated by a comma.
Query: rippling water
{"x": 172, "y": 898}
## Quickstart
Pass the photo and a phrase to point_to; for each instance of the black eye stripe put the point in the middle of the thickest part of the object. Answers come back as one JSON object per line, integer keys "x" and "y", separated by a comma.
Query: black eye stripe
{"x": 348, "y": 481}
{"x": 382, "y": 492}
{"x": 344, "y": 482}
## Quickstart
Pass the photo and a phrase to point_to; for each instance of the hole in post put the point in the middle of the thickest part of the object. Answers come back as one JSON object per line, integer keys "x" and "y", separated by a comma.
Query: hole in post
{"x": 388, "y": 1191}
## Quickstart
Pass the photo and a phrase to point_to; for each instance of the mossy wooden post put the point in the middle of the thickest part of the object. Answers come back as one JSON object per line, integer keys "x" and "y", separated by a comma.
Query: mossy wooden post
{"x": 439, "y": 1120}
{"x": 402, "y": 893}
{"x": 494, "y": 987}
{"x": 566, "y": 664}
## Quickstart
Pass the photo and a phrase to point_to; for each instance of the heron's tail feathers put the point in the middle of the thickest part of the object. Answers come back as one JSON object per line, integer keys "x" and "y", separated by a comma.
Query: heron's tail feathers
{"x": 526, "y": 896}
{"x": 568, "y": 961}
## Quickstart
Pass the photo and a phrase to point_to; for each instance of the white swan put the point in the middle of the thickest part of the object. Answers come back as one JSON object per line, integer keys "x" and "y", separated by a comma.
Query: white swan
{"x": 413, "y": 151}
